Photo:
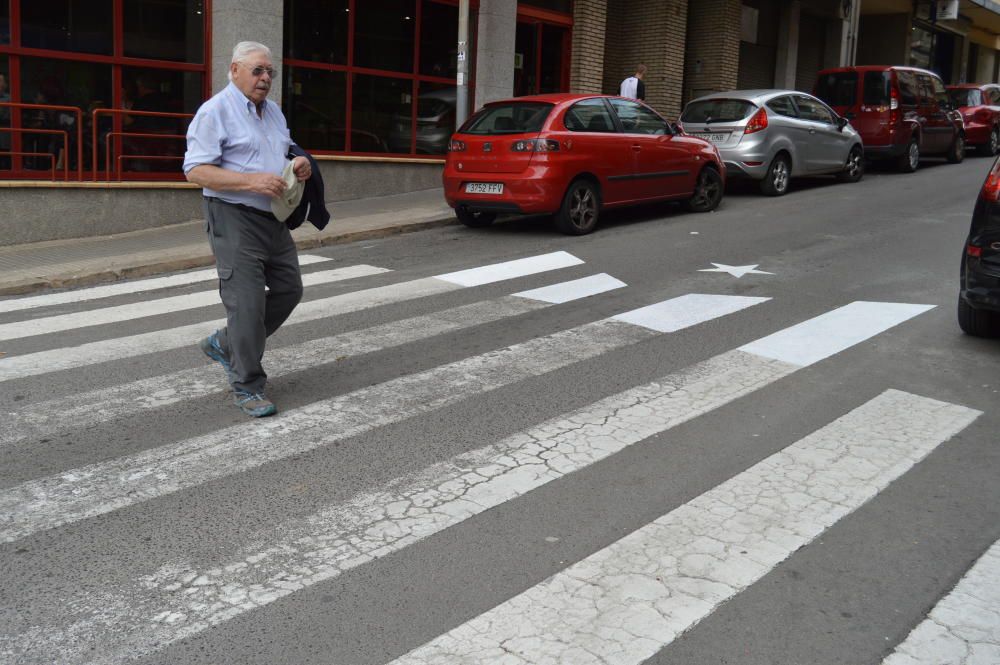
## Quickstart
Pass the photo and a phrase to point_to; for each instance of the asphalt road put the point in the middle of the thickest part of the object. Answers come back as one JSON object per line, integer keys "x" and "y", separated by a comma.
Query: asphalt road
{"x": 457, "y": 475}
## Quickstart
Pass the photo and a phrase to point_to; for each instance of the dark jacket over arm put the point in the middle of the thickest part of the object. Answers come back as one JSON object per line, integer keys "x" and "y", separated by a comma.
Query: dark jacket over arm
{"x": 313, "y": 202}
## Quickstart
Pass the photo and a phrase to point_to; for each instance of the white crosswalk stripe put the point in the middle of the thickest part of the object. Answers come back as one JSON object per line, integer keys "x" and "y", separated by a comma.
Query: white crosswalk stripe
{"x": 106, "y": 315}
{"x": 964, "y": 627}
{"x": 622, "y": 604}
{"x": 125, "y": 288}
{"x": 33, "y": 364}
{"x": 84, "y": 409}
{"x": 101, "y": 488}
{"x": 628, "y": 601}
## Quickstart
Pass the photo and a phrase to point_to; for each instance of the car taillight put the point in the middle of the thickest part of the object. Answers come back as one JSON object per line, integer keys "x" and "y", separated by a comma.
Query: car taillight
{"x": 991, "y": 188}
{"x": 456, "y": 146}
{"x": 758, "y": 122}
{"x": 535, "y": 145}
{"x": 894, "y": 107}
{"x": 974, "y": 251}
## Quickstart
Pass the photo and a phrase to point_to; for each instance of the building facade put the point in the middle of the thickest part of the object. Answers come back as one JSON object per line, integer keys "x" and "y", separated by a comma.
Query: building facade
{"x": 103, "y": 89}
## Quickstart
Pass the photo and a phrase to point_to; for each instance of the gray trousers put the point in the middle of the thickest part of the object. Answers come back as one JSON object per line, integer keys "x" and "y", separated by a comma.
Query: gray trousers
{"x": 252, "y": 250}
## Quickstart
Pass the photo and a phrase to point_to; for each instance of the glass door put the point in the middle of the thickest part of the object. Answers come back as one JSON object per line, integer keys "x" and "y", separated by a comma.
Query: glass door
{"x": 541, "y": 58}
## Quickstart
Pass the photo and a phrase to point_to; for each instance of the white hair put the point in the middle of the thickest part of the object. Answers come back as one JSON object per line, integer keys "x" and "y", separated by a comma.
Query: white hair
{"x": 243, "y": 50}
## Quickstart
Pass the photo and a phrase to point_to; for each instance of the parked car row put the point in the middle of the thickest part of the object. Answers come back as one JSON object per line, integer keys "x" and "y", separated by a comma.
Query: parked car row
{"x": 576, "y": 155}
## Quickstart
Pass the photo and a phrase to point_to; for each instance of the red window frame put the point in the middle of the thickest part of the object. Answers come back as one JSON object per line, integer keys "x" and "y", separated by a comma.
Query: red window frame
{"x": 350, "y": 70}
{"x": 14, "y": 52}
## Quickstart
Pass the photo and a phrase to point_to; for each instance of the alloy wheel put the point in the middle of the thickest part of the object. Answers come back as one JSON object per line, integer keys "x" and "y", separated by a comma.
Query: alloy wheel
{"x": 780, "y": 176}
{"x": 854, "y": 163}
{"x": 706, "y": 192}
{"x": 914, "y": 156}
{"x": 583, "y": 208}
{"x": 994, "y": 141}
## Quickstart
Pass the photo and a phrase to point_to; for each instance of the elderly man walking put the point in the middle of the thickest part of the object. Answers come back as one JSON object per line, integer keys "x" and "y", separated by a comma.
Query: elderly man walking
{"x": 237, "y": 150}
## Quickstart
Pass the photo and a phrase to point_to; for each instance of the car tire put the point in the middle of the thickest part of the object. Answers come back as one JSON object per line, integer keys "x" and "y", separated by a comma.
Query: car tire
{"x": 707, "y": 191}
{"x": 581, "y": 206}
{"x": 976, "y": 322}
{"x": 854, "y": 169}
{"x": 775, "y": 183}
{"x": 474, "y": 220}
{"x": 957, "y": 151}
{"x": 991, "y": 147}
{"x": 910, "y": 160}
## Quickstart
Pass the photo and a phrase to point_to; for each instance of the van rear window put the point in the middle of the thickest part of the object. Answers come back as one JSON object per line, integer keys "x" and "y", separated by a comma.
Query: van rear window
{"x": 512, "y": 118}
{"x": 965, "y": 97}
{"x": 717, "y": 110}
{"x": 876, "y": 89}
{"x": 838, "y": 88}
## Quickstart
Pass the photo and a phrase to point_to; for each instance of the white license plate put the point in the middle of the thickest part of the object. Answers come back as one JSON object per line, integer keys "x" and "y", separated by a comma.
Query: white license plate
{"x": 716, "y": 138}
{"x": 484, "y": 187}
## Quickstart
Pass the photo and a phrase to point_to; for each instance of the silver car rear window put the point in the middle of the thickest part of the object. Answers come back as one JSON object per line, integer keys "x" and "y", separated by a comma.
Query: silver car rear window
{"x": 717, "y": 110}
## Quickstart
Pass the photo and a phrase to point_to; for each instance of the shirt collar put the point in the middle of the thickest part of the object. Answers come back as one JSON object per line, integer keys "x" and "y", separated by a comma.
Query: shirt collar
{"x": 243, "y": 100}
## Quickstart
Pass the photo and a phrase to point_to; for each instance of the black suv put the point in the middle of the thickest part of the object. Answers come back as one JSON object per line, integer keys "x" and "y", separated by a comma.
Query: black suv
{"x": 979, "y": 297}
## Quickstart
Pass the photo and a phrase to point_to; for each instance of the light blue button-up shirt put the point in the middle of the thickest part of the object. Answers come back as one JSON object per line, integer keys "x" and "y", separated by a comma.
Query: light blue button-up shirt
{"x": 227, "y": 132}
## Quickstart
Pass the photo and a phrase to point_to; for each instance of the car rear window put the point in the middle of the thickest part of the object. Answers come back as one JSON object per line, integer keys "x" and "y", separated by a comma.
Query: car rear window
{"x": 908, "y": 91}
{"x": 717, "y": 110}
{"x": 510, "y": 118}
{"x": 838, "y": 88}
{"x": 876, "y": 89}
{"x": 964, "y": 97}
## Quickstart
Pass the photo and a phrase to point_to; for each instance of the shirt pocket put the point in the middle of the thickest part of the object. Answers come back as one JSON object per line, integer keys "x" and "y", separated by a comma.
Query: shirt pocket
{"x": 244, "y": 147}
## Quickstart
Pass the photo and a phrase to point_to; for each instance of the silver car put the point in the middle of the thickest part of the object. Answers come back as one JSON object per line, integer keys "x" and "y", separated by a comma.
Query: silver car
{"x": 773, "y": 135}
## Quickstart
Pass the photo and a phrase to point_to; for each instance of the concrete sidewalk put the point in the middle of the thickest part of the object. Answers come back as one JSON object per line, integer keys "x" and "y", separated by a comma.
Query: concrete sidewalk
{"x": 64, "y": 263}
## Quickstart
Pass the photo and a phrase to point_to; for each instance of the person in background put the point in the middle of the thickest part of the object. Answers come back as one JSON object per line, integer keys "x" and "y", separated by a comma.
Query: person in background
{"x": 237, "y": 147}
{"x": 633, "y": 87}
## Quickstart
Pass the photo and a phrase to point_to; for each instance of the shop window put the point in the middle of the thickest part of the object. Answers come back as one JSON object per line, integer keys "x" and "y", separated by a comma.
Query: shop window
{"x": 85, "y": 85}
{"x": 160, "y": 91}
{"x": 380, "y": 116}
{"x": 554, "y": 48}
{"x": 384, "y": 34}
{"x": 439, "y": 40}
{"x": 5, "y": 137}
{"x": 164, "y": 29}
{"x": 525, "y": 59}
{"x": 436, "y": 104}
{"x": 315, "y": 107}
{"x": 84, "y": 26}
{"x": 316, "y": 30}
{"x": 5, "y": 24}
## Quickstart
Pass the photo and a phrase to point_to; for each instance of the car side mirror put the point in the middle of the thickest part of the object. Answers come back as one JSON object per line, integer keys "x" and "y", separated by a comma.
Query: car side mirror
{"x": 841, "y": 123}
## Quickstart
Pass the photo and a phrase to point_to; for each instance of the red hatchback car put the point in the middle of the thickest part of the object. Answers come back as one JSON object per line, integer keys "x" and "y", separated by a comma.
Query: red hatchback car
{"x": 573, "y": 155}
{"x": 980, "y": 108}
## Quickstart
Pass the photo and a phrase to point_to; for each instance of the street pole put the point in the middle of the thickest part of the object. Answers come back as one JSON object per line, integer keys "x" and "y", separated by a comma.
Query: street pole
{"x": 462, "y": 82}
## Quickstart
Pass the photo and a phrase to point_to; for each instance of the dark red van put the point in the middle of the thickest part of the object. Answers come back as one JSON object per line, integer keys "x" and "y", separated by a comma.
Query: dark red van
{"x": 902, "y": 113}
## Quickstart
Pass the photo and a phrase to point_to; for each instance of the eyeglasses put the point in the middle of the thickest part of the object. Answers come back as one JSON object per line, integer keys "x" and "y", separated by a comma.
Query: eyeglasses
{"x": 259, "y": 71}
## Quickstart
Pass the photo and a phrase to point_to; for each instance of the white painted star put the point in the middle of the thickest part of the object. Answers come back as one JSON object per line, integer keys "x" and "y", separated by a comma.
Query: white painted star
{"x": 736, "y": 271}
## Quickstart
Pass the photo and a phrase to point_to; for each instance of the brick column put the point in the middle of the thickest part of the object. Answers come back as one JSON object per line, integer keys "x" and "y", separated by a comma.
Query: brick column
{"x": 712, "y": 62}
{"x": 235, "y": 21}
{"x": 586, "y": 72}
{"x": 651, "y": 32}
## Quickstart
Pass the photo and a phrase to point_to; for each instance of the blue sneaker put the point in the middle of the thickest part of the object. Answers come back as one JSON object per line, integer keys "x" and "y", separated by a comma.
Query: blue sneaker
{"x": 210, "y": 347}
{"x": 255, "y": 404}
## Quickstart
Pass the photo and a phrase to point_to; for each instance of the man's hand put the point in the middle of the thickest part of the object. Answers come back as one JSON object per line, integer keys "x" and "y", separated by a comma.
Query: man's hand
{"x": 302, "y": 168}
{"x": 264, "y": 183}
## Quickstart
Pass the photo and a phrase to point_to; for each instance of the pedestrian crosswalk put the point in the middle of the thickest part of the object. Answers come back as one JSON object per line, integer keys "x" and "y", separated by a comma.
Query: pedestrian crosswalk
{"x": 623, "y": 603}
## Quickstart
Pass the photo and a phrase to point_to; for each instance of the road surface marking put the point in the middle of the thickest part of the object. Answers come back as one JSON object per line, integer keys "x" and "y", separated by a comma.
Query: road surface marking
{"x": 687, "y": 311}
{"x": 499, "y": 272}
{"x": 180, "y": 600}
{"x": 842, "y": 328}
{"x": 124, "y": 288}
{"x": 574, "y": 290}
{"x": 99, "y": 488}
{"x": 736, "y": 271}
{"x": 626, "y": 602}
{"x": 42, "y": 362}
{"x": 155, "y": 307}
{"x": 80, "y": 410}
{"x": 964, "y": 627}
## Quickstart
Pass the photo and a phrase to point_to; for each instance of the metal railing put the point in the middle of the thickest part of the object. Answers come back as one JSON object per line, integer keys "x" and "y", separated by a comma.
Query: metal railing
{"x": 120, "y": 134}
{"x": 111, "y": 144}
{"x": 53, "y": 107}
{"x": 31, "y": 130}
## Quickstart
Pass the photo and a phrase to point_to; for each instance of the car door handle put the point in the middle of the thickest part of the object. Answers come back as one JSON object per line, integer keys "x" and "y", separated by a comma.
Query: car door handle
{"x": 637, "y": 147}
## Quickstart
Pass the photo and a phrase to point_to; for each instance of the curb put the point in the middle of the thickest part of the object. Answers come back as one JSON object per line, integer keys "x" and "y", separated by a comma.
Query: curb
{"x": 62, "y": 281}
